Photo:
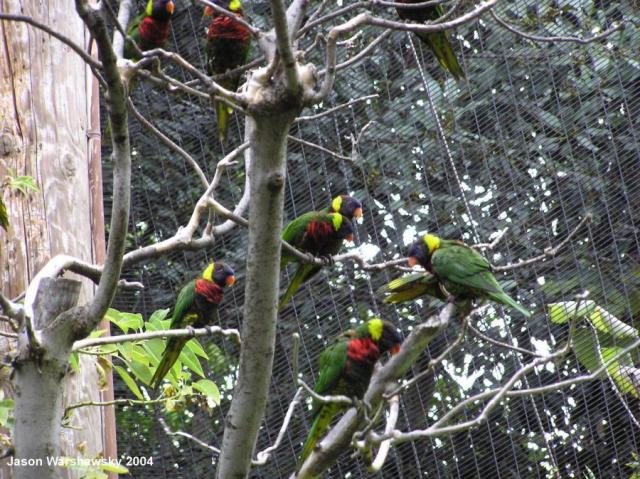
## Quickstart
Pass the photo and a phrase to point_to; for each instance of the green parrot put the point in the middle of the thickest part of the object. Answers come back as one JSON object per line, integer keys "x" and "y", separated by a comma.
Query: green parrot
{"x": 462, "y": 271}
{"x": 196, "y": 306}
{"x": 227, "y": 48}
{"x": 151, "y": 28}
{"x": 317, "y": 233}
{"x": 346, "y": 205}
{"x": 4, "y": 216}
{"x": 410, "y": 287}
{"x": 438, "y": 42}
{"x": 345, "y": 368}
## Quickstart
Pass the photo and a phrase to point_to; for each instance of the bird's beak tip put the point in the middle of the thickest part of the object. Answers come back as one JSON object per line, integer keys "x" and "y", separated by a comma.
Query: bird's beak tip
{"x": 395, "y": 349}
{"x": 231, "y": 280}
{"x": 349, "y": 237}
{"x": 412, "y": 261}
{"x": 171, "y": 7}
{"x": 357, "y": 214}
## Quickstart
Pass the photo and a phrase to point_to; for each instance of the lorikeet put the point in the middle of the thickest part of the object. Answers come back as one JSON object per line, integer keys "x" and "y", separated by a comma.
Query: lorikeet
{"x": 227, "y": 47}
{"x": 438, "y": 42}
{"x": 463, "y": 272}
{"x": 345, "y": 369}
{"x": 412, "y": 286}
{"x": 318, "y": 233}
{"x": 347, "y": 206}
{"x": 196, "y": 306}
{"x": 151, "y": 28}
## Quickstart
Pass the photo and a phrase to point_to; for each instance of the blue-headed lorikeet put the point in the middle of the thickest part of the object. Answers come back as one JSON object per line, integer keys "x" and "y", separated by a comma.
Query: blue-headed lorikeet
{"x": 227, "y": 48}
{"x": 317, "y": 233}
{"x": 438, "y": 42}
{"x": 151, "y": 28}
{"x": 463, "y": 272}
{"x": 196, "y": 306}
{"x": 346, "y": 367}
{"x": 346, "y": 205}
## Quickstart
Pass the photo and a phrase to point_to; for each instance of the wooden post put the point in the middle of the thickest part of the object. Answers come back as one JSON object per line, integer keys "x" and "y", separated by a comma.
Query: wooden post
{"x": 49, "y": 122}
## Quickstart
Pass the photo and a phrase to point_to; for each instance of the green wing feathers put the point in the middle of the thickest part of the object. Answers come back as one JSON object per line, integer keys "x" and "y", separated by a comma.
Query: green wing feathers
{"x": 411, "y": 286}
{"x": 319, "y": 426}
{"x": 4, "y": 216}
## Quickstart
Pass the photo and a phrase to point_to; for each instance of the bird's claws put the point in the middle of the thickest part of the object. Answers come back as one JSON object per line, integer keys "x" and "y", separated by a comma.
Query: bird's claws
{"x": 327, "y": 260}
{"x": 192, "y": 332}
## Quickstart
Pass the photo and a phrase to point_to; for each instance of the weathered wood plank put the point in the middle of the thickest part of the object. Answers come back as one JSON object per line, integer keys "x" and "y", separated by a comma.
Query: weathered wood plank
{"x": 45, "y": 110}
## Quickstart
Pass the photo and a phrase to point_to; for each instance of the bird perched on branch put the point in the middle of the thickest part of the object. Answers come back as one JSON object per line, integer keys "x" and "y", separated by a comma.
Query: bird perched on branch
{"x": 227, "y": 48}
{"x": 463, "y": 272}
{"x": 317, "y": 233}
{"x": 151, "y": 28}
{"x": 196, "y": 306}
{"x": 438, "y": 42}
{"x": 345, "y": 369}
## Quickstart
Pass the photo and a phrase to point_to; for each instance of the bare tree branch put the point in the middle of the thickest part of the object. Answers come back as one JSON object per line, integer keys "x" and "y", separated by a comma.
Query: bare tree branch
{"x": 320, "y": 148}
{"x": 349, "y": 104}
{"x": 115, "y": 402}
{"x": 337, "y": 399}
{"x": 120, "y": 21}
{"x": 191, "y": 437}
{"x": 385, "y": 446}
{"x": 167, "y": 333}
{"x": 283, "y": 43}
{"x": 557, "y": 39}
{"x": 11, "y": 309}
{"x": 549, "y": 252}
{"x": 501, "y": 344}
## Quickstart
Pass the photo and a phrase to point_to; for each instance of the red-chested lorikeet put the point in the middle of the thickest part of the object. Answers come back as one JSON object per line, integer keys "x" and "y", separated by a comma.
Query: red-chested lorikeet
{"x": 463, "y": 272}
{"x": 151, "y": 28}
{"x": 345, "y": 369}
{"x": 347, "y": 206}
{"x": 317, "y": 233}
{"x": 196, "y": 306}
{"x": 227, "y": 48}
{"x": 438, "y": 42}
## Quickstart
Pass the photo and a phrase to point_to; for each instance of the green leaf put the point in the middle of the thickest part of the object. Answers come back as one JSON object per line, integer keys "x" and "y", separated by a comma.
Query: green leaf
{"x": 196, "y": 348}
{"x": 75, "y": 364}
{"x": 124, "y": 321}
{"x": 154, "y": 348}
{"x": 141, "y": 370}
{"x": 128, "y": 380}
{"x": 158, "y": 315}
{"x": 110, "y": 467}
{"x": 7, "y": 404}
{"x": 209, "y": 389}
{"x": 24, "y": 184}
{"x": 190, "y": 360}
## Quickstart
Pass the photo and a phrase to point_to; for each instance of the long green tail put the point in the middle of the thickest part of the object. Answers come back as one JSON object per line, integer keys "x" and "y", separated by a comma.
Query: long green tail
{"x": 442, "y": 50}
{"x": 319, "y": 426}
{"x": 409, "y": 287}
{"x": 223, "y": 112}
{"x": 507, "y": 300}
{"x": 303, "y": 273}
{"x": 169, "y": 357}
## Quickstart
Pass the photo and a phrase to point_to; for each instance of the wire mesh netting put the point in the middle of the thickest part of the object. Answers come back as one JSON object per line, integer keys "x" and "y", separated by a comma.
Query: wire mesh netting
{"x": 536, "y": 138}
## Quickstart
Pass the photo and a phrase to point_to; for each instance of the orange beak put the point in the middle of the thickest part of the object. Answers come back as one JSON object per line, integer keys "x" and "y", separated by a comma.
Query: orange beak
{"x": 395, "y": 349}
{"x": 349, "y": 237}
{"x": 230, "y": 281}
{"x": 208, "y": 11}
{"x": 357, "y": 213}
{"x": 412, "y": 261}
{"x": 171, "y": 7}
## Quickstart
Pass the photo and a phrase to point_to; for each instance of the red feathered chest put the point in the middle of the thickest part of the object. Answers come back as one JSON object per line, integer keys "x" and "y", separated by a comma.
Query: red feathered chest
{"x": 153, "y": 34}
{"x": 363, "y": 350}
{"x": 318, "y": 233}
{"x": 222, "y": 26}
{"x": 209, "y": 290}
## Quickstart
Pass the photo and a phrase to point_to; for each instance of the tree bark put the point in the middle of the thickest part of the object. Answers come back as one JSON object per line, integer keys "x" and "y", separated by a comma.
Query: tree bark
{"x": 267, "y": 134}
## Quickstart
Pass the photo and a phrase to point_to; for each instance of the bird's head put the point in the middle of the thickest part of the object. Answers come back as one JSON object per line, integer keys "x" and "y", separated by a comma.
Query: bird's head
{"x": 420, "y": 252}
{"x": 347, "y": 206}
{"x": 160, "y": 10}
{"x": 342, "y": 226}
{"x": 234, "y": 6}
{"x": 219, "y": 273}
{"x": 383, "y": 333}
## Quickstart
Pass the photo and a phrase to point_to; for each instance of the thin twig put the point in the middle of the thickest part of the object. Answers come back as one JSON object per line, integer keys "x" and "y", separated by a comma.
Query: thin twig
{"x": 320, "y": 148}
{"x": 263, "y": 456}
{"x": 494, "y": 243}
{"x": 363, "y": 54}
{"x": 549, "y": 252}
{"x": 167, "y": 333}
{"x": 337, "y": 399}
{"x": 557, "y": 39}
{"x": 501, "y": 344}
{"x": 349, "y": 104}
{"x": 191, "y": 437}
{"x": 168, "y": 142}
{"x": 385, "y": 446}
{"x": 89, "y": 60}
{"x": 115, "y": 402}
